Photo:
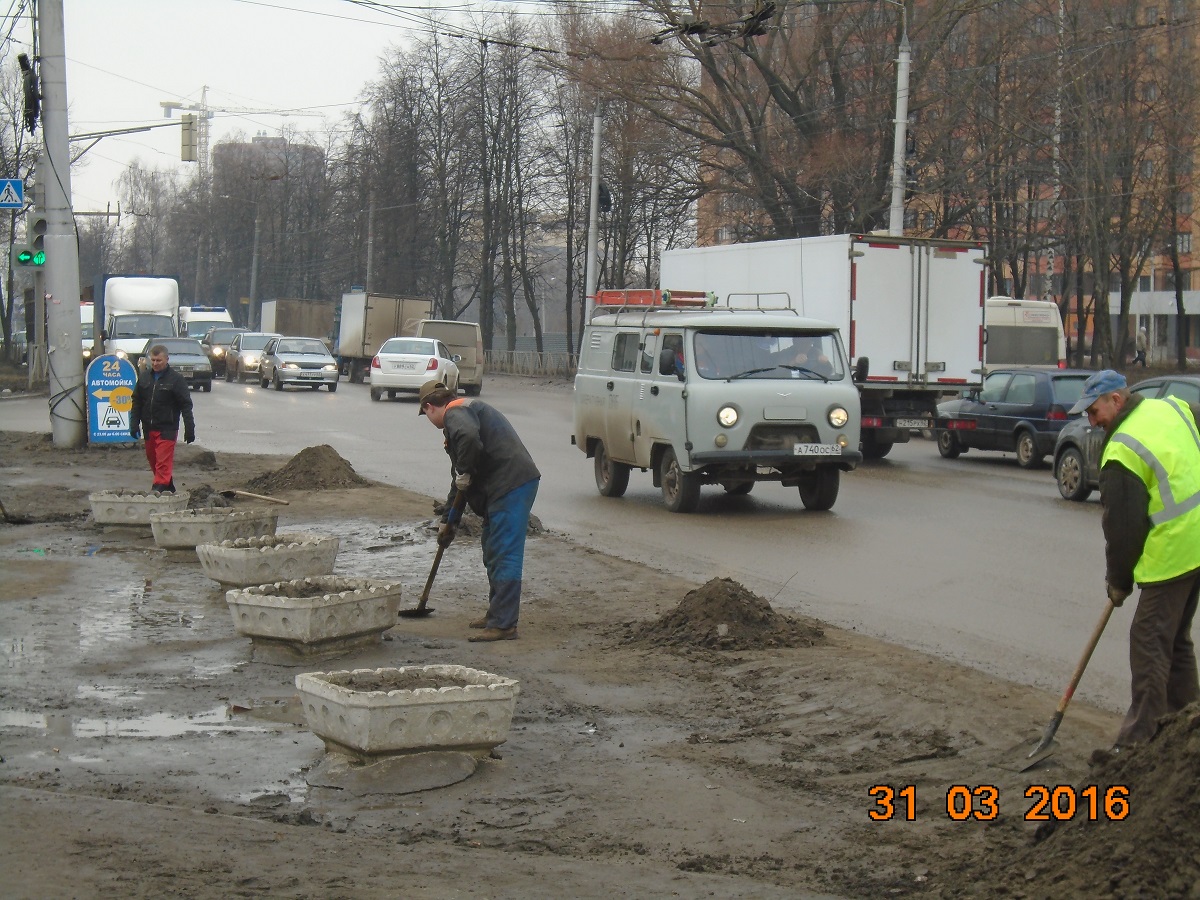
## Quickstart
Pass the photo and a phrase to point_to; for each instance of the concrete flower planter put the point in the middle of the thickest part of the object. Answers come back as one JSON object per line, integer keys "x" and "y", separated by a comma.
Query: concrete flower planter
{"x": 275, "y": 557}
{"x": 132, "y": 507}
{"x": 186, "y": 528}
{"x": 373, "y": 712}
{"x": 294, "y": 622}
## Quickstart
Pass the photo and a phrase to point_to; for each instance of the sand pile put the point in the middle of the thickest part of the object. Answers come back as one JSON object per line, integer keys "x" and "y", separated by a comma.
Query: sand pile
{"x": 313, "y": 468}
{"x": 723, "y": 615}
{"x": 1153, "y": 852}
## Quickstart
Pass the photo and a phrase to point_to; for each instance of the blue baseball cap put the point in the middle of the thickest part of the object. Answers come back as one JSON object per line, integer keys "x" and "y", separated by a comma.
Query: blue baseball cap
{"x": 1103, "y": 382}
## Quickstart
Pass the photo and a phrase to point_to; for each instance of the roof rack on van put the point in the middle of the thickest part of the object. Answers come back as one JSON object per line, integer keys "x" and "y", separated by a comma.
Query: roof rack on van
{"x": 646, "y": 301}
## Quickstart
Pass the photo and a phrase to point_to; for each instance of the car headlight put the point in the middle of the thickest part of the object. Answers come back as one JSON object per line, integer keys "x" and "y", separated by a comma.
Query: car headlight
{"x": 289, "y": 365}
{"x": 329, "y": 368}
{"x": 838, "y": 416}
{"x": 218, "y": 351}
{"x": 727, "y": 416}
{"x": 121, "y": 354}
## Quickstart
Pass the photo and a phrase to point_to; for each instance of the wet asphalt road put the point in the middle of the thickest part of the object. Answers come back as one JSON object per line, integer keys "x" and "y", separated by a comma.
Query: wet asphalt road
{"x": 974, "y": 560}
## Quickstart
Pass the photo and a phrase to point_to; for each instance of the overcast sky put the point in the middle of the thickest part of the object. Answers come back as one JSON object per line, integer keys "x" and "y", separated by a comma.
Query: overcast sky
{"x": 126, "y": 56}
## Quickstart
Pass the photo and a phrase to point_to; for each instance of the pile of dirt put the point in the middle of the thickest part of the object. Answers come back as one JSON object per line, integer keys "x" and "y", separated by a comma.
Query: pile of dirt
{"x": 1153, "y": 851}
{"x": 313, "y": 468}
{"x": 723, "y": 615}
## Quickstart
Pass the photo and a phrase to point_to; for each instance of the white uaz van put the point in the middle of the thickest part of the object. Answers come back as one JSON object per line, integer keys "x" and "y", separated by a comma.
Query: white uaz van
{"x": 722, "y": 396}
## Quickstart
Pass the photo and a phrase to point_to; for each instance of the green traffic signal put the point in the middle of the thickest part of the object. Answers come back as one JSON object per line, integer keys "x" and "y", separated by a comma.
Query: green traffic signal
{"x": 28, "y": 256}
{"x": 39, "y": 258}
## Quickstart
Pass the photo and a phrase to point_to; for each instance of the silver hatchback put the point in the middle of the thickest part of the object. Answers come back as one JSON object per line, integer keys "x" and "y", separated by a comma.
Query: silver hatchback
{"x": 299, "y": 361}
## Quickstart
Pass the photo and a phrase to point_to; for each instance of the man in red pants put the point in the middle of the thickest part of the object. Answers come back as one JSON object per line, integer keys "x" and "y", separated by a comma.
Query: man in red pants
{"x": 159, "y": 399}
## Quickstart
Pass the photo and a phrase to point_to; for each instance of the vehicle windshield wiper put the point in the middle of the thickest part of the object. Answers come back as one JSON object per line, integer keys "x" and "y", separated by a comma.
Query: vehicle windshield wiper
{"x": 806, "y": 371}
{"x": 750, "y": 372}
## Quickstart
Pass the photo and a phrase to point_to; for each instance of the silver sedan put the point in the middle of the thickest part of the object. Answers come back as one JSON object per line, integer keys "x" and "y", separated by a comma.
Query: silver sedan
{"x": 300, "y": 361}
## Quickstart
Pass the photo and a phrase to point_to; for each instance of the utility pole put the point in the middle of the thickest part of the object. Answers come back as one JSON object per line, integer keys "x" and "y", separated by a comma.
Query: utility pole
{"x": 368, "y": 281}
{"x": 900, "y": 149}
{"x": 255, "y": 317}
{"x": 590, "y": 274}
{"x": 68, "y": 405}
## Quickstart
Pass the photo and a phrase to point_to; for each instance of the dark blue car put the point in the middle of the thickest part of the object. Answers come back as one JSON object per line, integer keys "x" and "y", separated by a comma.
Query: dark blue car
{"x": 1018, "y": 411}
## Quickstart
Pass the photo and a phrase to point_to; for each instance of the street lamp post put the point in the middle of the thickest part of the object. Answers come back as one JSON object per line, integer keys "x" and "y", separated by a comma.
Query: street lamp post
{"x": 900, "y": 136}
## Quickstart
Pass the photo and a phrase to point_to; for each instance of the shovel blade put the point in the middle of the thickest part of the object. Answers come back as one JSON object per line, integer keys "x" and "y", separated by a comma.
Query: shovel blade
{"x": 417, "y": 613}
{"x": 1026, "y": 755}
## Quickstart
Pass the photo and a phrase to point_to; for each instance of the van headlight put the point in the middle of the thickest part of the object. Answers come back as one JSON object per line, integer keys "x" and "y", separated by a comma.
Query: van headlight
{"x": 838, "y": 417}
{"x": 727, "y": 416}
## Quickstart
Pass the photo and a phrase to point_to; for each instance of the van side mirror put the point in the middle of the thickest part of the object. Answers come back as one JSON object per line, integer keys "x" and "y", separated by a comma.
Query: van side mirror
{"x": 861, "y": 368}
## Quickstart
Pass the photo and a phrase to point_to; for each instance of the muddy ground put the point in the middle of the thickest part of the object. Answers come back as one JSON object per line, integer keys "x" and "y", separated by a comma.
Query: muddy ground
{"x": 670, "y": 739}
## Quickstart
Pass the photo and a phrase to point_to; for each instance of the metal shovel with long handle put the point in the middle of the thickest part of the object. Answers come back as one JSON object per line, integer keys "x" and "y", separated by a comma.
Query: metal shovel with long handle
{"x": 1047, "y": 745}
{"x": 456, "y": 509}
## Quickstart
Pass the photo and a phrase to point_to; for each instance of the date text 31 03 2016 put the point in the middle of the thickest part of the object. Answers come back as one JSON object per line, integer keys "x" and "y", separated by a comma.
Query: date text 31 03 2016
{"x": 981, "y": 803}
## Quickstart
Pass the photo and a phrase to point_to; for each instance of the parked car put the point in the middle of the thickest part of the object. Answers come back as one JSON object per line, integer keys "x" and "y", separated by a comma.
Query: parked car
{"x": 186, "y": 357}
{"x": 406, "y": 363}
{"x": 1077, "y": 451}
{"x": 1015, "y": 410}
{"x": 297, "y": 360}
{"x": 216, "y": 346}
{"x": 245, "y": 353}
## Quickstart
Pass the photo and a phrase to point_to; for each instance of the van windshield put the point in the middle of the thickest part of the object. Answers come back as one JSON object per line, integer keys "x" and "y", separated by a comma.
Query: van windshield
{"x": 768, "y": 355}
{"x": 1010, "y": 345}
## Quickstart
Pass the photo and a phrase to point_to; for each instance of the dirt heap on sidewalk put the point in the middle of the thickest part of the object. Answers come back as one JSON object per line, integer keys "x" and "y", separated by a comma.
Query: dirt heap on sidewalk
{"x": 313, "y": 468}
{"x": 724, "y": 615}
{"x": 1154, "y": 851}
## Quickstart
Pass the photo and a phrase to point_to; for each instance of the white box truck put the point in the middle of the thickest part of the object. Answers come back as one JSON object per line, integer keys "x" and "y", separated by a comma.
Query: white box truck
{"x": 367, "y": 320}
{"x": 911, "y": 310}
{"x": 299, "y": 317}
{"x": 136, "y": 309}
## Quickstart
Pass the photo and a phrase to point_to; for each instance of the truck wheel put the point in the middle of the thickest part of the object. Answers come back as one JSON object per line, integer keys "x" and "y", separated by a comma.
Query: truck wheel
{"x": 1068, "y": 472}
{"x": 680, "y": 489}
{"x": 376, "y": 394}
{"x": 228, "y": 374}
{"x": 276, "y": 382}
{"x": 332, "y": 386}
{"x": 948, "y": 444}
{"x": 1028, "y": 455}
{"x": 206, "y": 387}
{"x": 612, "y": 478}
{"x": 262, "y": 381}
{"x": 874, "y": 448}
{"x": 819, "y": 489}
{"x": 472, "y": 390}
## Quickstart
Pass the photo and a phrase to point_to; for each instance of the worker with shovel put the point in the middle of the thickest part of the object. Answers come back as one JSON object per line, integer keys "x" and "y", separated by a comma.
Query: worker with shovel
{"x": 498, "y": 476}
{"x": 1150, "y": 490}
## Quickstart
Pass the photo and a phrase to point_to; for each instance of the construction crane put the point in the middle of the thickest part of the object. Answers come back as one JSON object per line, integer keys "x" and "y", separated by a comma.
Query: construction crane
{"x": 206, "y": 113}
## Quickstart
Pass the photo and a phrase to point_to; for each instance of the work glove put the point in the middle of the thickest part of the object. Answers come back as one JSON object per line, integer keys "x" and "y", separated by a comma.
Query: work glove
{"x": 1116, "y": 595}
{"x": 463, "y": 481}
{"x": 135, "y": 431}
{"x": 446, "y": 533}
{"x": 189, "y": 437}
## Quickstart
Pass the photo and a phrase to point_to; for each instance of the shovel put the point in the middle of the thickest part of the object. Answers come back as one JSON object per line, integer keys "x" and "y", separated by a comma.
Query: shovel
{"x": 229, "y": 495}
{"x": 1047, "y": 745}
{"x": 456, "y": 508}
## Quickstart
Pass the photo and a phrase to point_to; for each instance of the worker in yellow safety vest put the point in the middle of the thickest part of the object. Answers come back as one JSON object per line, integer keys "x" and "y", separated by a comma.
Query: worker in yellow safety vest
{"x": 1150, "y": 490}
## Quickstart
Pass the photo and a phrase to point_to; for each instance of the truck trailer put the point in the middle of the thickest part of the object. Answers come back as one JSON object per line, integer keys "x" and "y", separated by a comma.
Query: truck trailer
{"x": 298, "y": 317}
{"x": 367, "y": 320}
{"x": 137, "y": 308}
{"x": 911, "y": 311}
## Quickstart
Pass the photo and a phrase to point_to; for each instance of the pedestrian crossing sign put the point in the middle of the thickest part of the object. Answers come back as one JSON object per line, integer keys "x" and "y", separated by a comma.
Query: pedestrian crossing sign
{"x": 12, "y": 193}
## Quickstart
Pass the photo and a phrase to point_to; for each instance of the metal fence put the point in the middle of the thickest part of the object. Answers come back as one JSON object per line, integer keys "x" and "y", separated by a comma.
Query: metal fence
{"x": 531, "y": 362}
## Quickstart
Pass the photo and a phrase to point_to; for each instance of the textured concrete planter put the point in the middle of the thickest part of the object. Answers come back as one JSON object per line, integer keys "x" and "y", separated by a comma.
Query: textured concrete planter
{"x": 132, "y": 507}
{"x": 299, "y": 621}
{"x": 186, "y": 528}
{"x": 275, "y": 557}
{"x": 371, "y": 712}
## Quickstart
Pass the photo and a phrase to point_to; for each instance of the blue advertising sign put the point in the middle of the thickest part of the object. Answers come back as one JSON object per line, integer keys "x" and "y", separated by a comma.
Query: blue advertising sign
{"x": 109, "y": 383}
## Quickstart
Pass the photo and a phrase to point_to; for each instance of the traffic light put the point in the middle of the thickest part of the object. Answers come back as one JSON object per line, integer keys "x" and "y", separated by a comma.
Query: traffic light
{"x": 187, "y": 147}
{"x": 37, "y": 240}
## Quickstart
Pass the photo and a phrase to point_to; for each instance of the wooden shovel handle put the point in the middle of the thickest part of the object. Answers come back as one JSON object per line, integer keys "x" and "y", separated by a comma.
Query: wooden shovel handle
{"x": 260, "y": 497}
